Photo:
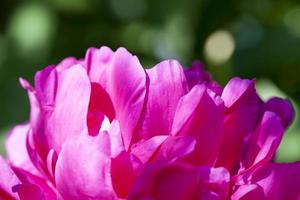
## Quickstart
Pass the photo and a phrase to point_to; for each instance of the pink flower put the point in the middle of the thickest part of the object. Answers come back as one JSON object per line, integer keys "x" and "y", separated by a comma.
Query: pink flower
{"x": 105, "y": 128}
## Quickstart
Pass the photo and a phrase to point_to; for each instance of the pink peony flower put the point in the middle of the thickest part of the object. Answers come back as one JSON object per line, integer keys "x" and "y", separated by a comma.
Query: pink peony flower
{"x": 105, "y": 128}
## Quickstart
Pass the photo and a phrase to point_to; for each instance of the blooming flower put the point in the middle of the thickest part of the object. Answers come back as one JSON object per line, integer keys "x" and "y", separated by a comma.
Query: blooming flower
{"x": 105, "y": 128}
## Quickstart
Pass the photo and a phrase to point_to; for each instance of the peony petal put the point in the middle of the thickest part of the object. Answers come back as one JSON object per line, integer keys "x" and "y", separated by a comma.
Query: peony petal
{"x": 16, "y": 148}
{"x": 51, "y": 162}
{"x": 63, "y": 96}
{"x": 279, "y": 181}
{"x": 197, "y": 75}
{"x": 8, "y": 179}
{"x": 235, "y": 89}
{"x": 174, "y": 148}
{"x": 29, "y": 192}
{"x": 180, "y": 182}
{"x": 124, "y": 171}
{"x": 97, "y": 63}
{"x": 145, "y": 149}
{"x": 83, "y": 168}
{"x": 67, "y": 63}
{"x": 244, "y": 109}
{"x": 100, "y": 105}
{"x": 248, "y": 192}
{"x": 127, "y": 89}
{"x": 167, "y": 85}
{"x": 264, "y": 141}
{"x": 197, "y": 115}
{"x": 31, "y": 183}
{"x": 116, "y": 142}
{"x": 282, "y": 108}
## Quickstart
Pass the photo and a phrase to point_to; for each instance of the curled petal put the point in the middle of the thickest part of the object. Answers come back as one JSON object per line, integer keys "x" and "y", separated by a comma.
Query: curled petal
{"x": 278, "y": 181}
{"x": 175, "y": 148}
{"x": 83, "y": 168}
{"x": 63, "y": 97}
{"x": 282, "y": 108}
{"x": 97, "y": 62}
{"x": 167, "y": 85}
{"x": 127, "y": 88}
{"x": 100, "y": 106}
{"x": 145, "y": 149}
{"x": 198, "y": 116}
{"x": 244, "y": 109}
{"x": 264, "y": 141}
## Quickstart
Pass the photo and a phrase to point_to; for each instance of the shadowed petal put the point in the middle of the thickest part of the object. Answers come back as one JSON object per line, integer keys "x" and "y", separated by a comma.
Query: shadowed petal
{"x": 282, "y": 108}
{"x": 181, "y": 182}
{"x": 38, "y": 186}
{"x": 145, "y": 149}
{"x": 264, "y": 141}
{"x": 197, "y": 115}
{"x": 174, "y": 148}
{"x": 244, "y": 109}
{"x": 100, "y": 106}
{"x": 197, "y": 75}
{"x": 278, "y": 181}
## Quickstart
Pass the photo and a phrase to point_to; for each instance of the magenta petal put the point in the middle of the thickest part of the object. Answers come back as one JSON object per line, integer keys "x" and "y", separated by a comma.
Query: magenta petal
{"x": 97, "y": 62}
{"x": 51, "y": 162}
{"x": 8, "y": 179}
{"x": 244, "y": 109}
{"x": 248, "y": 192}
{"x": 145, "y": 149}
{"x": 16, "y": 148}
{"x": 32, "y": 183}
{"x": 197, "y": 75}
{"x": 167, "y": 86}
{"x": 279, "y": 181}
{"x": 180, "y": 182}
{"x": 235, "y": 89}
{"x": 116, "y": 142}
{"x": 124, "y": 170}
{"x": 127, "y": 89}
{"x": 67, "y": 63}
{"x": 174, "y": 148}
{"x": 29, "y": 192}
{"x": 63, "y": 96}
{"x": 83, "y": 168}
{"x": 282, "y": 108}
{"x": 264, "y": 141}
{"x": 99, "y": 106}
{"x": 197, "y": 115}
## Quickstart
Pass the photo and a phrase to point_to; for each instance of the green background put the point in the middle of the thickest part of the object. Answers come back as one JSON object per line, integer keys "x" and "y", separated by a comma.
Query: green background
{"x": 247, "y": 38}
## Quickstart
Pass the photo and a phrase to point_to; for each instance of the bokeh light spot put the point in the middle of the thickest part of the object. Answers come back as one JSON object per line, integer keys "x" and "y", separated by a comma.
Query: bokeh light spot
{"x": 219, "y": 47}
{"x": 292, "y": 21}
{"x": 32, "y": 27}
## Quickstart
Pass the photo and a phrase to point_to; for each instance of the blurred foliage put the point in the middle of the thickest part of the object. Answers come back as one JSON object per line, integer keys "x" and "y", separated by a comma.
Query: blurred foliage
{"x": 247, "y": 38}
